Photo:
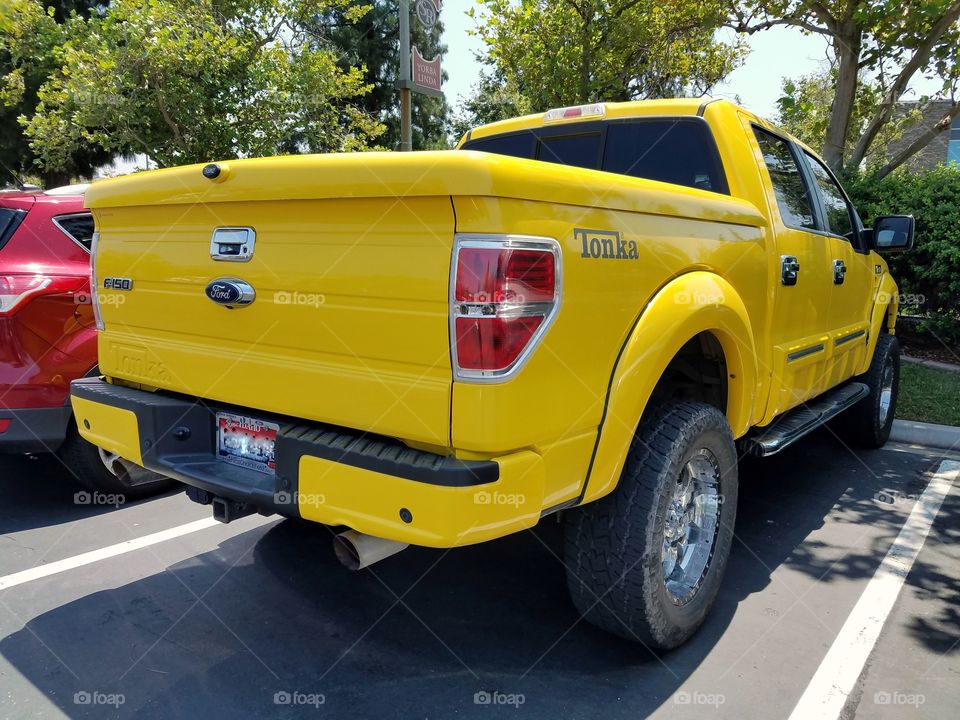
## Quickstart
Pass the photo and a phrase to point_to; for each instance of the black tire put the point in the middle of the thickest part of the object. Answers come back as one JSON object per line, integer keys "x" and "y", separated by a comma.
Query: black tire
{"x": 84, "y": 462}
{"x": 868, "y": 423}
{"x": 614, "y": 547}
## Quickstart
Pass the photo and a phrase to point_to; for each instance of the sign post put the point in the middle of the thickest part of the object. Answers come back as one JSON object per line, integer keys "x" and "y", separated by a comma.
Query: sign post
{"x": 417, "y": 74}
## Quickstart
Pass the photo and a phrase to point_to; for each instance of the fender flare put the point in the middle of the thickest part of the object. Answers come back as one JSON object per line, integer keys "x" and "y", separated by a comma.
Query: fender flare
{"x": 886, "y": 305}
{"x": 688, "y": 305}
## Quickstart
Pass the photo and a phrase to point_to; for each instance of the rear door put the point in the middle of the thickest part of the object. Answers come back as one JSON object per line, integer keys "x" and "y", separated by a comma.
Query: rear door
{"x": 803, "y": 291}
{"x": 852, "y": 274}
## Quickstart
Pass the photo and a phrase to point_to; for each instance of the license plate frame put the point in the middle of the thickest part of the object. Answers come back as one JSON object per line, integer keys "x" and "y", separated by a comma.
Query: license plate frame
{"x": 246, "y": 441}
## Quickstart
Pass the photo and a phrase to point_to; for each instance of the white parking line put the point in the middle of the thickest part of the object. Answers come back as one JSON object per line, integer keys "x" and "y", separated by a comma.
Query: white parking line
{"x": 42, "y": 571}
{"x": 830, "y": 687}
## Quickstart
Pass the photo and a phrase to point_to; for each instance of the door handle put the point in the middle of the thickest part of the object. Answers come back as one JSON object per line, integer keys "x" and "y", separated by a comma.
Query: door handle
{"x": 789, "y": 269}
{"x": 839, "y": 272}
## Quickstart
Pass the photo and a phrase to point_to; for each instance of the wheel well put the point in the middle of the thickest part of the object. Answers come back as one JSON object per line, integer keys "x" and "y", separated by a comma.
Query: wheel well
{"x": 697, "y": 372}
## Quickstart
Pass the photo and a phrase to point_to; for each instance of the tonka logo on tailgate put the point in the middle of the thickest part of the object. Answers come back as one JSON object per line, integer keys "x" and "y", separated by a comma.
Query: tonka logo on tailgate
{"x": 605, "y": 245}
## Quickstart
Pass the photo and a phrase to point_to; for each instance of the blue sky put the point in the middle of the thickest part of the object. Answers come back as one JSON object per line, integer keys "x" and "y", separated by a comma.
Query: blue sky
{"x": 775, "y": 53}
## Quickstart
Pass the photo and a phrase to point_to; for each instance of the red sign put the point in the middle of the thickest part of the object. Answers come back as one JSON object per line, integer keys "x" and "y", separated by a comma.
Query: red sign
{"x": 426, "y": 73}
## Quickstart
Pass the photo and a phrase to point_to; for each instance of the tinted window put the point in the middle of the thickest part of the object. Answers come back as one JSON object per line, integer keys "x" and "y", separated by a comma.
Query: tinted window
{"x": 521, "y": 145}
{"x": 834, "y": 204}
{"x": 577, "y": 150}
{"x": 673, "y": 151}
{"x": 79, "y": 227}
{"x": 9, "y": 220}
{"x": 796, "y": 208}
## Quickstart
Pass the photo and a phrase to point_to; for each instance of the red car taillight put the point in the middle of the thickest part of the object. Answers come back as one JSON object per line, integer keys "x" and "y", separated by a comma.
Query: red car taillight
{"x": 17, "y": 289}
{"x": 506, "y": 292}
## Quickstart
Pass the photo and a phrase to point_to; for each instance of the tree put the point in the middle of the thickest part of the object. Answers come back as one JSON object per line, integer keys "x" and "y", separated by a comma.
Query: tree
{"x": 29, "y": 34}
{"x": 195, "y": 80}
{"x": 561, "y": 52}
{"x": 805, "y": 110}
{"x": 492, "y": 98}
{"x": 373, "y": 44}
{"x": 889, "y": 40}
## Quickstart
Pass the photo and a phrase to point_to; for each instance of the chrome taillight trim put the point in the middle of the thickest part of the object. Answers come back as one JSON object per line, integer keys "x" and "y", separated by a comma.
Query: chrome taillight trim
{"x": 94, "y": 298}
{"x": 548, "y": 310}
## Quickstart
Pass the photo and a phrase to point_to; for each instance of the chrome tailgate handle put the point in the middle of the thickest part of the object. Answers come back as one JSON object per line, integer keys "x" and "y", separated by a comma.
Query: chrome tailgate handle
{"x": 233, "y": 244}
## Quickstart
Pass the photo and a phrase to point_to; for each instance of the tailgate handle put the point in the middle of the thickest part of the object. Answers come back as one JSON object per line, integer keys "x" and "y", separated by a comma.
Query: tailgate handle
{"x": 233, "y": 244}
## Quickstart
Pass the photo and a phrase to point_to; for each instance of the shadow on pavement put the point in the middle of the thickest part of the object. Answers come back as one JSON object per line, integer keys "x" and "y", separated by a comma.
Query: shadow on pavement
{"x": 279, "y": 615}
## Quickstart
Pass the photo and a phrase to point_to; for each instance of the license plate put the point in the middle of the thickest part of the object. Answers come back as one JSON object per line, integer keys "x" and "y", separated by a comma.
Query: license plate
{"x": 247, "y": 442}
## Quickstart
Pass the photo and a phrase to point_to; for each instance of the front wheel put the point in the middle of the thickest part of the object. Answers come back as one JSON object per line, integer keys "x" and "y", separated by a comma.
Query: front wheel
{"x": 646, "y": 561}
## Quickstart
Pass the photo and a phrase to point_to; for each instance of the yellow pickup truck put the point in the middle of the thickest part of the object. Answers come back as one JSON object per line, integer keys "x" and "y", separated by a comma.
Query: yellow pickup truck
{"x": 589, "y": 311}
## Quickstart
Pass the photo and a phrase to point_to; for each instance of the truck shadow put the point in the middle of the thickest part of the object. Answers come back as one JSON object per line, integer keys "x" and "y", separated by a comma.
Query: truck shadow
{"x": 270, "y": 611}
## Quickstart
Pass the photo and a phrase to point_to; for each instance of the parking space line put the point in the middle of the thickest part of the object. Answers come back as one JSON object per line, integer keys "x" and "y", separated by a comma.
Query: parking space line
{"x": 71, "y": 563}
{"x": 830, "y": 687}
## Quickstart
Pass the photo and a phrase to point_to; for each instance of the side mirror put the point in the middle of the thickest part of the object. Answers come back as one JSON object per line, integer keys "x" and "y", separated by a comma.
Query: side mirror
{"x": 893, "y": 233}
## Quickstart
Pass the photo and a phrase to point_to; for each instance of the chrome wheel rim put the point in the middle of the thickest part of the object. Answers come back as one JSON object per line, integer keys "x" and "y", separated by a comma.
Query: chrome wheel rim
{"x": 886, "y": 390}
{"x": 690, "y": 526}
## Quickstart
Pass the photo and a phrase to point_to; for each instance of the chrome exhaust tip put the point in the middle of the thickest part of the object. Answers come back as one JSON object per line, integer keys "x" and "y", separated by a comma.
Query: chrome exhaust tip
{"x": 356, "y": 551}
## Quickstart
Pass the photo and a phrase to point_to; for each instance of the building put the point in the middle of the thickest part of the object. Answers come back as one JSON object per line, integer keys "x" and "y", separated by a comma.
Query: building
{"x": 944, "y": 148}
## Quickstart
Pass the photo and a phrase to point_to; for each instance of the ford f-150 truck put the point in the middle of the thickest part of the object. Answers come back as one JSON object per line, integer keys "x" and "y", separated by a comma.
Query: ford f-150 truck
{"x": 590, "y": 311}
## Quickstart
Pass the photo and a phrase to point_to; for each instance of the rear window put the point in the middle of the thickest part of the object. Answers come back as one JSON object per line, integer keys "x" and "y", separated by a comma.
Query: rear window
{"x": 10, "y": 220}
{"x": 679, "y": 150}
{"x": 79, "y": 227}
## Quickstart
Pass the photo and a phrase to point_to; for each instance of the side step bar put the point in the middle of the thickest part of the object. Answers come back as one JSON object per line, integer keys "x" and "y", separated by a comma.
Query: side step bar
{"x": 796, "y": 423}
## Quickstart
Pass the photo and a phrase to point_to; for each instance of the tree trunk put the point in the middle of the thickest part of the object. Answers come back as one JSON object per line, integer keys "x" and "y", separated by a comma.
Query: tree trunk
{"x": 847, "y": 46}
{"x": 586, "y": 60}
{"x": 55, "y": 178}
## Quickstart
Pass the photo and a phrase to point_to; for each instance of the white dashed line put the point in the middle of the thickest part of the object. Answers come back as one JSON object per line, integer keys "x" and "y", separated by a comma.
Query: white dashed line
{"x": 830, "y": 687}
{"x": 71, "y": 563}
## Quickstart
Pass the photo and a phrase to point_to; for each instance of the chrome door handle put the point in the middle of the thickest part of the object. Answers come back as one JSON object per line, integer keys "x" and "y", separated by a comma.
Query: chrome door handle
{"x": 789, "y": 269}
{"x": 839, "y": 272}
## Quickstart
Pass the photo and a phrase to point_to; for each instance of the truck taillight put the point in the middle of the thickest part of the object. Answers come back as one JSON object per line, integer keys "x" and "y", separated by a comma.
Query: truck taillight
{"x": 504, "y": 295}
{"x": 94, "y": 299}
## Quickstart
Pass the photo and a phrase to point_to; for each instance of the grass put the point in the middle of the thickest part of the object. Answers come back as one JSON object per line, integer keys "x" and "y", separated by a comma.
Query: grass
{"x": 929, "y": 395}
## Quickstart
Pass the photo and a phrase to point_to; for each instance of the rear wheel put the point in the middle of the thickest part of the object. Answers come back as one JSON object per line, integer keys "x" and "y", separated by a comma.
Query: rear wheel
{"x": 646, "y": 561}
{"x": 868, "y": 423}
{"x": 102, "y": 471}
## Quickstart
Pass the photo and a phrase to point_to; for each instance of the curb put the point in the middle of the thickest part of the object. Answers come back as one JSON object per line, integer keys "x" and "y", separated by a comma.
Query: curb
{"x": 942, "y": 437}
{"x": 935, "y": 364}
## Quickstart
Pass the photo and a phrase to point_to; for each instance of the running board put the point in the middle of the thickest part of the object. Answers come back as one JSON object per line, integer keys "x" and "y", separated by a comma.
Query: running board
{"x": 793, "y": 425}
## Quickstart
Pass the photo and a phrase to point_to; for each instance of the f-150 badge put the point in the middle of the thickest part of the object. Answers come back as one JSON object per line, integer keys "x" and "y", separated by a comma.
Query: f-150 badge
{"x": 605, "y": 245}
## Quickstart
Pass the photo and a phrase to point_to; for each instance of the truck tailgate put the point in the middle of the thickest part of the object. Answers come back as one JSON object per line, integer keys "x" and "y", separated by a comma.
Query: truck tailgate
{"x": 349, "y": 324}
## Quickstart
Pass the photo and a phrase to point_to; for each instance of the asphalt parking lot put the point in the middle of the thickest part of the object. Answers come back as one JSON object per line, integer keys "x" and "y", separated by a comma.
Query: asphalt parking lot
{"x": 257, "y": 617}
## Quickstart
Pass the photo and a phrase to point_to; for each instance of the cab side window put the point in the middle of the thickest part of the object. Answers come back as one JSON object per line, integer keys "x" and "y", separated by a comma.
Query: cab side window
{"x": 793, "y": 197}
{"x": 837, "y": 211}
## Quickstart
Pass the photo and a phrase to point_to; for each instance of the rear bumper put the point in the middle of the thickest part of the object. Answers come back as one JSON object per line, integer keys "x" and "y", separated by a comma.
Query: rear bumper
{"x": 327, "y": 474}
{"x": 33, "y": 430}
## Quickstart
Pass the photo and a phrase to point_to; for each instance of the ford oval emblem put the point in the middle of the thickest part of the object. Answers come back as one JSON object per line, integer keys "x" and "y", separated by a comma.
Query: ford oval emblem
{"x": 230, "y": 292}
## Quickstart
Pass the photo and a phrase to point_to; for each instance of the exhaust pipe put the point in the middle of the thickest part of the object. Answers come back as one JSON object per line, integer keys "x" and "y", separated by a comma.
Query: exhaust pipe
{"x": 356, "y": 551}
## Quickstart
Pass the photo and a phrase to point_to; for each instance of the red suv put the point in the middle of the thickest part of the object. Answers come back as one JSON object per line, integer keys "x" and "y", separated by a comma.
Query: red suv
{"x": 48, "y": 335}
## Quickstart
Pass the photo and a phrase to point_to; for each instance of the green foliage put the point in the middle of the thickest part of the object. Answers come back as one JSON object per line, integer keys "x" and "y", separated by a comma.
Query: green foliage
{"x": 561, "y": 53}
{"x": 29, "y": 34}
{"x": 491, "y": 99}
{"x": 372, "y": 43}
{"x": 804, "y": 111}
{"x": 195, "y": 80}
{"x": 932, "y": 269}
